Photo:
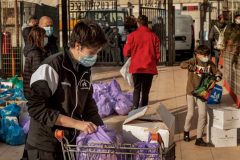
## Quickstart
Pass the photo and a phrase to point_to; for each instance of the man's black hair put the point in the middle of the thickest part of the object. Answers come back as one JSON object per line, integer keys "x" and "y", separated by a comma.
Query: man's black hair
{"x": 202, "y": 49}
{"x": 32, "y": 18}
{"x": 237, "y": 15}
{"x": 88, "y": 34}
{"x": 143, "y": 20}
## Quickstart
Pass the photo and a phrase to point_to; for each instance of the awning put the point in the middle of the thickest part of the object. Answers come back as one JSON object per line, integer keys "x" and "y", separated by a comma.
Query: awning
{"x": 52, "y": 3}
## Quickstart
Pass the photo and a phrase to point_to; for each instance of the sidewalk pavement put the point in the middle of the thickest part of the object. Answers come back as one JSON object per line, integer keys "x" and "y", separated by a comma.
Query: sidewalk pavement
{"x": 168, "y": 88}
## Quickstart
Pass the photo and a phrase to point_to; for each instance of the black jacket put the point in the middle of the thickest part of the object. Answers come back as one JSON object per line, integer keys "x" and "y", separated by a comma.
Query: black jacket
{"x": 25, "y": 34}
{"x": 51, "y": 46}
{"x": 59, "y": 85}
{"x": 33, "y": 58}
{"x": 214, "y": 34}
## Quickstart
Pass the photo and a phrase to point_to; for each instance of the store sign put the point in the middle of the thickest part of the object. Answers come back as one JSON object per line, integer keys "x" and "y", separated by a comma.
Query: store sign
{"x": 190, "y": 8}
{"x": 151, "y": 3}
{"x": 85, "y": 5}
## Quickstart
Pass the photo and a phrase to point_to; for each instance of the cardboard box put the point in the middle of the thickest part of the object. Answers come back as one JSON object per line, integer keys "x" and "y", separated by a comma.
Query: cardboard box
{"x": 140, "y": 122}
{"x": 115, "y": 122}
{"x": 223, "y": 138}
{"x": 224, "y": 117}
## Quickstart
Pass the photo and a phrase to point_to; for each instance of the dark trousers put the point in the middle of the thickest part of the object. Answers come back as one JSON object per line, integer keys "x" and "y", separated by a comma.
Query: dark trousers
{"x": 35, "y": 154}
{"x": 142, "y": 86}
{"x": 216, "y": 54}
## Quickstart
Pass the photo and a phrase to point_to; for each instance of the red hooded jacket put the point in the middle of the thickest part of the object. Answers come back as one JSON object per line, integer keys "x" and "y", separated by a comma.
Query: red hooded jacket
{"x": 143, "y": 47}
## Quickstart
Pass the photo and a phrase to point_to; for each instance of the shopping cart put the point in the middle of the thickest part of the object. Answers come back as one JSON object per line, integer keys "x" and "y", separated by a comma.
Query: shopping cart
{"x": 114, "y": 152}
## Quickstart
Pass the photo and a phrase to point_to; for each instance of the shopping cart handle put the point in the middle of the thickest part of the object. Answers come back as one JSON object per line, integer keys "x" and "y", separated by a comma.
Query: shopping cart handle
{"x": 59, "y": 134}
{"x": 155, "y": 136}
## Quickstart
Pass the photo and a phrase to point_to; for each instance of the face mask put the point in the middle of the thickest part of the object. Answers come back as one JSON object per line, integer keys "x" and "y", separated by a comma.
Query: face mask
{"x": 45, "y": 41}
{"x": 237, "y": 21}
{"x": 88, "y": 60}
{"x": 49, "y": 31}
{"x": 204, "y": 59}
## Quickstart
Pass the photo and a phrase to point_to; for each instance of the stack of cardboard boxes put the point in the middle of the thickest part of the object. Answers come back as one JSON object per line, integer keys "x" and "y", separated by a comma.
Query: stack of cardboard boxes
{"x": 141, "y": 122}
{"x": 223, "y": 123}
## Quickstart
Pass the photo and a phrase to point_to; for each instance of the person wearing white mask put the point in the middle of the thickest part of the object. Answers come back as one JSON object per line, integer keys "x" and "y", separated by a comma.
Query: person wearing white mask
{"x": 235, "y": 28}
{"x": 197, "y": 68}
{"x": 46, "y": 23}
{"x": 61, "y": 94}
{"x": 237, "y": 19}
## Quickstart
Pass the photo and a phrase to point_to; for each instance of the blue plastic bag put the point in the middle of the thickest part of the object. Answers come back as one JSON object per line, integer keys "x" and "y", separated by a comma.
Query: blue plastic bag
{"x": 11, "y": 133}
{"x": 97, "y": 139}
{"x": 216, "y": 95}
{"x": 10, "y": 110}
{"x": 15, "y": 135}
{"x": 5, "y": 123}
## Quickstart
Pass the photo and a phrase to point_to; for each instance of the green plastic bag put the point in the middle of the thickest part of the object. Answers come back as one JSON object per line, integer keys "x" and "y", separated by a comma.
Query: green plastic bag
{"x": 16, "y": 82}
{"x": 204, "y": 90}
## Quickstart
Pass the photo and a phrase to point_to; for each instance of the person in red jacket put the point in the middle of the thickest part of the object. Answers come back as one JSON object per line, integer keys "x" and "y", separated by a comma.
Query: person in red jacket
{"x": 143, "y": 47}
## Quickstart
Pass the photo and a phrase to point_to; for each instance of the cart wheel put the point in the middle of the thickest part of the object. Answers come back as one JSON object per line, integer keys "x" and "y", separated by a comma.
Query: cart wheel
{"x": 59, "y": 134}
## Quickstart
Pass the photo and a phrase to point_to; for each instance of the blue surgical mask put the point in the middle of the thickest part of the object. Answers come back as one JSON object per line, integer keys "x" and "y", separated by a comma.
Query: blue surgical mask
{"x": 88, "y": 60}
{"x": 49, "y": 31}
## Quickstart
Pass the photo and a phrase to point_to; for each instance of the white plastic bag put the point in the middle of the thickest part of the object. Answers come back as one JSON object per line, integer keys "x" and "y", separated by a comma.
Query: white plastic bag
{"x": 125, "y": 72}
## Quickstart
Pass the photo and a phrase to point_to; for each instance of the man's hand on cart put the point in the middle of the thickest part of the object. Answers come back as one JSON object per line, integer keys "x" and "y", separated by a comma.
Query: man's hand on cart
{"x": 86, "y": 127}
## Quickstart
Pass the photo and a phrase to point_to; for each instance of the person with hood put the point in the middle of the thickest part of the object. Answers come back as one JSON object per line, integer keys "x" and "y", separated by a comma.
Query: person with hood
{"x": 214, "y": 36}
{"x": 142, "y": 46}
{"x": 233, "y": 31}
{"x": 62, "y": 94}
{"x": 34, "y": 54}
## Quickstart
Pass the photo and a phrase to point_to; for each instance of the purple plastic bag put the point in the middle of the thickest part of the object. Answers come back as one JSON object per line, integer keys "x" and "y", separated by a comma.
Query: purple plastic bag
{"x": 97, "y": 139}
{"x": 24, "y": 118}
{"x": 26, "y": 127}
{"x": 105, "y": 106}
{"x": 99, "y": 89}
{"x": 154, "y": 152}
{"x": 129, "y": 96}
{"x": 123, "y": 105}
{"x": 114, "y": 88}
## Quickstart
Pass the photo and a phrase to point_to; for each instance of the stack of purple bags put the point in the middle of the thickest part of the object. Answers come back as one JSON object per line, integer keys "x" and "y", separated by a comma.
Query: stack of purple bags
{"x": 110, "y": 99}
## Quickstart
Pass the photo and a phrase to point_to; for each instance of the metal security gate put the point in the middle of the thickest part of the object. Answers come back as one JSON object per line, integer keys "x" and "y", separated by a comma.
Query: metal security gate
{"x": 10, "y": 38}
{"x": 103, "y": 12}
{"x": 155, "y": 10}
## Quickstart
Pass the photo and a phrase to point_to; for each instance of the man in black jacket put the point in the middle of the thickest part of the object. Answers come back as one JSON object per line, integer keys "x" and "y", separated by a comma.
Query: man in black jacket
{"x": 46, "y": 23}
{"x": 61, "y": 95}
{"x": 220, "y": 26}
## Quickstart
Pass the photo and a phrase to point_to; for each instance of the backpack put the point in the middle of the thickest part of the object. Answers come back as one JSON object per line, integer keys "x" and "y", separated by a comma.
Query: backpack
{"x": 220, "y": 45}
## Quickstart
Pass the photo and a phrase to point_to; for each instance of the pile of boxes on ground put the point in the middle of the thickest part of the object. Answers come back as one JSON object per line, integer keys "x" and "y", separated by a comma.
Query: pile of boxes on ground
{"x": 223, "y": 123}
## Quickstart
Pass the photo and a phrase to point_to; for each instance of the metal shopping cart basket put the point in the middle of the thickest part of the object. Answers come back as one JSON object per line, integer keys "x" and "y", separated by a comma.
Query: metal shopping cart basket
{"x": 114, "y": 152}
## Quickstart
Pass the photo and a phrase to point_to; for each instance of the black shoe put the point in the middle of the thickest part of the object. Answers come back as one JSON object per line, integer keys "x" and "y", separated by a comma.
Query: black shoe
{"x": 200, "y": 142}
{"x": 186, "y": 137}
